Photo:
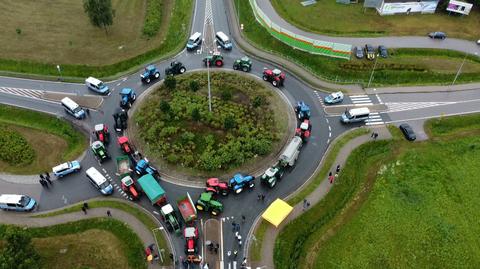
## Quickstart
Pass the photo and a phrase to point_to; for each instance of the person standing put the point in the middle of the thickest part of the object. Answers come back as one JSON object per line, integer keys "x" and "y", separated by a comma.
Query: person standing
{"x": 85, "y": 204}
{"x": 237, "y": 227}
{"x": 47, "y": 178}
{"x": 263, "y": 197}
{"x": 234, "y": 226}
{"x": 338, "y": 169}
{"x": 375, "y": 136}
{"x": 84, "y": 209}
{"x": 43, "y": 183}
{"x": 243, "y": 219}
{"x": 109, "y": 214}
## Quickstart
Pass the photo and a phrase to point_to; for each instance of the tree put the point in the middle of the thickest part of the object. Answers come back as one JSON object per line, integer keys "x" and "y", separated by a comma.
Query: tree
{"x": 170, "y": 82}
{"x": 100, "y": 12}
{"x": 18, "y": 252}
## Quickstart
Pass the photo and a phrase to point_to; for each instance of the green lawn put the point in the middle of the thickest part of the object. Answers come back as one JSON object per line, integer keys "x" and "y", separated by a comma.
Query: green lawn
{"x": 397, "y": 204}
{"x": 53, "y": 140}
{"x": 404, "y": 67}
{"x": 325, "y": 17}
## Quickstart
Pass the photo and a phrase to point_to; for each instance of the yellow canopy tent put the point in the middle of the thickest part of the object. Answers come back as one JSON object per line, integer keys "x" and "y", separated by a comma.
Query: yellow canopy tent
{"x": 277, "y": 212}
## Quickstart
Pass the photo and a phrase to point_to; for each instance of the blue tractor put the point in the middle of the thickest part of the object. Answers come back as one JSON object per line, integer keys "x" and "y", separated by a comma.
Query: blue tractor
{"x": 239, "y": 182}
{"x": 143, "y": 167}
{"x": 128, "y": 96}
{"x": 302, "y": 110}
{"x": 151, "y": 72}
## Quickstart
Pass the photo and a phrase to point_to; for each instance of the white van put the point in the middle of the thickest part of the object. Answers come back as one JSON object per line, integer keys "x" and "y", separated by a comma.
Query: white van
{"x": 290, "y": 154}
{"x": 223, "y": 41}
{"x": 355, "y": 115}
{"x": 17, "y": 202}
{"x": 73, "y": 108}
{"x": 96, "y": 85}
{"x": 99, "y": 181}
{"x": 194, "y": 41}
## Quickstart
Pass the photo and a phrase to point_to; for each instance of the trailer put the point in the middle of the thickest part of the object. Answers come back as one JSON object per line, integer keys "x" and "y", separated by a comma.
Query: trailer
{"x": 152, "y": 189}
{"x": 187, "y": 208}
{"x": 123, "y": 166}
{"x": 290, "y": 154}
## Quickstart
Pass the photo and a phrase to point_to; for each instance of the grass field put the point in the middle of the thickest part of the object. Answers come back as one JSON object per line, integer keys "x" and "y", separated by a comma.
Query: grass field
{"x": 54, "y": 140}
{"x": 59, "y": 32}
{"x": 404, "y": 67}
{"x": 324, "y": 17}
{"x": 410, "y": 205}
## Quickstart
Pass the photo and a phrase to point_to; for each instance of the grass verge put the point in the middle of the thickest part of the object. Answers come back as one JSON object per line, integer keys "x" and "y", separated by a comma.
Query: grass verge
{"x": 324, "y": 18}
{"x": 404, "y": 67}
{"x": 394, "y": 194}
{"x": 130, "y": 245}
{"x": 134, "y": 211}
{"x": 256, "y": 248}
{"x": 46, "y": 126}
{"x": 173, "y": 43}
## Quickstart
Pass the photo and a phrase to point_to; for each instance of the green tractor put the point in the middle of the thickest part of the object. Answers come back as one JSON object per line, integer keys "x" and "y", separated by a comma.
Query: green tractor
{"x": 170, "y": 218}
{"x": 216, "y": 59}
{"x": 272, "y": 175}
{"x": 100, "y": 151}
{"x": 244, "y": 64}
{"x": 207, "y": 203}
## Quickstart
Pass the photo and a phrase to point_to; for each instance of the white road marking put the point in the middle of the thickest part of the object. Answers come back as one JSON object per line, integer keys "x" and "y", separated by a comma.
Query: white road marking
{"x": 404, "y": 106}
{"x": 35, "y": 94}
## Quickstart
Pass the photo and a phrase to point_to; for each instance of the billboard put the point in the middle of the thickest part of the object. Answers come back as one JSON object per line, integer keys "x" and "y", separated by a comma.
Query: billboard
{"x": 396, "y": 8}
{"x": 459, "y": 7}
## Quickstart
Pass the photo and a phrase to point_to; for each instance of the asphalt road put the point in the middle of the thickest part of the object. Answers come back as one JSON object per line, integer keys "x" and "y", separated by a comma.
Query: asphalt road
{"x": 75, "y": 188}
{"x": 390, "y": 42}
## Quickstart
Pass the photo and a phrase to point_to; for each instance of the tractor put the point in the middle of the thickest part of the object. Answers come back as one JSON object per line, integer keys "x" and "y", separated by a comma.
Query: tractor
{"x": 120, "y": 118}
{"x": 175, "y": 68}
{"x": 151, "y": 72}
{"x": 100, "y": 151}
{"x": 216, "y": 186}
{"x": 272, "y": 175}
{"x": 170, "y": 218}
{"x": 191, "y": 238}
{"x": 304, "y": 130}
{"x": 128, "y": 96}
{"x": 101, "y": 133}
{"x": 125, "y": 145}
{"x": 207, "y": 203}
{"x": 275, "y": 76}
{"x": 302, "y": 110}
{"x": 239, "y": 182}
{"x": 244, "y": 64}
{"x": 143, "y": 167}
{"x": 215, "y": 59}
{"x": 128, "y": 186}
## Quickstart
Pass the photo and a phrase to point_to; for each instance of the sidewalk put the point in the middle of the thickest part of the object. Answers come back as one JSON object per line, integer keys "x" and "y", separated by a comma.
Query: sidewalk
{"x": 137, "y": 226}
{"x": 318, "y": 194}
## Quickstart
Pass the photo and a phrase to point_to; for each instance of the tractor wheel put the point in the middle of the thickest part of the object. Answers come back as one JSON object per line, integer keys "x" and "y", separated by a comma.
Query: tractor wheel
{"x": 224, "y": 192}
{"x": 265, "y": 78}
{"x": 219, "y": 63}
{"x": 235, "y": 67}
{"x": 275, "y": 83}
{"x": 182, "y": 70}
{"x": 199, "y": 207}
{"x": 147, "y": 80}
{"x": 169, "y": 227}
{"x": 157, "y": 75}
{"x": 239, "y": 190}
{"x": 251, "y": 184}
{"x": 273, "y": 184}
{"x": 245, "y": 69}
{"x": 215, "y": 212}
{"x": 134, "y": 98}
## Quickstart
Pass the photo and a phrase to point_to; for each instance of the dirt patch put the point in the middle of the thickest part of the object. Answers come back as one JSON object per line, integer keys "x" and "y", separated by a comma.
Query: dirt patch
{"x": 49, "y": 150}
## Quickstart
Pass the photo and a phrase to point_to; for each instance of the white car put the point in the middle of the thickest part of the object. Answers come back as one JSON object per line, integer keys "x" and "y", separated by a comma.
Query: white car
{"x": 335, "y": 97}
{"x": 478, "y": 42}
{"x": 66, "y": 168}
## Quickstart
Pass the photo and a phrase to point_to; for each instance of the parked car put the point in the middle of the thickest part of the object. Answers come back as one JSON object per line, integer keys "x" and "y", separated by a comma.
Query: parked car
{"x": 66, "y": 168}
{"x": 382, "y": 51}
{"x": 437, "y": 35}
{"x": 408, "y": 132}
{"x": 17, "y": 202}
{"x": 334, "y": 97}
{"x": 358, "y": 52}
{"x": 370, "y": 52}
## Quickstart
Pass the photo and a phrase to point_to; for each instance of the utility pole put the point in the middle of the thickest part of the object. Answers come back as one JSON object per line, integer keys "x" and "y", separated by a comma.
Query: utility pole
{"x": 59, "y": 71}
{"x": 460, "y": 68}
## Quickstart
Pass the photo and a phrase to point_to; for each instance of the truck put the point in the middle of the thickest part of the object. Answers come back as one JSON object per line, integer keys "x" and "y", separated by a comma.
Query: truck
{"x": 170, "y": 218}
{"x": 152, "y": 189}
{"x": 286, "y": 160}
{"x": 187, "y": 208}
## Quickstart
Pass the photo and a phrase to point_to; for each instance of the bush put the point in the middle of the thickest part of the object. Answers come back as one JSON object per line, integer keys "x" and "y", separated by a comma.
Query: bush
{"x": 14, "y": 148}
{"x": 164, "y": 106}
{"x": 196, "y": 114}
{"x": 259, "y": 101}
{"x": 170, "y": 82}
{"x": 229, "y": 123}
{"x": 194, "y": 86}
{"x": 226, "y": 94}
{"x": 153, "y": 18}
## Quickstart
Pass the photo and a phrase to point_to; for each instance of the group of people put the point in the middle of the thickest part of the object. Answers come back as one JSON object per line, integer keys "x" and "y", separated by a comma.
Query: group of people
{"x": 213, "y": 247}
{"x": 45, "y": 180}
{"x": 332, "y": 177}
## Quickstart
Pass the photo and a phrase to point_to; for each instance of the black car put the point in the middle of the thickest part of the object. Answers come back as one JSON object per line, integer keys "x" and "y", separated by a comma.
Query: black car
{"x": 408, "y": 132}
{"x": 382, "y": 51}
{"x": 370, "y": 52}
{"x": 437, "y": 35}
{"x": 358, "y": 52}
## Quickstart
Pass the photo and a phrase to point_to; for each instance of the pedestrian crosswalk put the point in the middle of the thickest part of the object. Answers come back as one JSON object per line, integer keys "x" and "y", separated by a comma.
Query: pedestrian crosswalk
{"x": 36, "y": 94}
{"x": 374, "y": 119}
{"x": 404, "y": 106}
{"x": 361, "y": 100}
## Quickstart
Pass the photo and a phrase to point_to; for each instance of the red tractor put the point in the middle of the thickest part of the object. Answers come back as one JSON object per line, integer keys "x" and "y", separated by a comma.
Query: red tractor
{"x": 216, "y": 186}
{"x": 101, "y": 133}
{"x": 128, "y": 186}
{"x": 125, "y": 145}
{"x": 275, "y": 76}
{"x": 304, "y": 130}
{"x": 191, "y": 237}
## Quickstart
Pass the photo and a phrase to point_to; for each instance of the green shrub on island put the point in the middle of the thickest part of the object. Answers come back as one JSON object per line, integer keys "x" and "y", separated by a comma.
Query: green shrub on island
{"x": 14, "y": 148}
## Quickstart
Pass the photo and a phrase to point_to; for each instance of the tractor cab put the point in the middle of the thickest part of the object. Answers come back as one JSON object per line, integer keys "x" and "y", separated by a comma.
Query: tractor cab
{"x": 175, "y": 68}
{"x": 128, "y": 186}
{"x": 217, "y": 186}
{"x": 244, "y": 64}
{"x": 125, "y": 145}
{"x": 304, "y": 130}
{"x": 302, "y": 110}
{"x": 191, "y": 236}
{"x": 101, "y": 132}
{"x": 120, "y": 118}
{"x": 274, "y": 76}
{"x": 99, "y": 150}
{"x": 216, "y": 59}
{"x": 150, "y": 72}
{"x": 127, "y": 96}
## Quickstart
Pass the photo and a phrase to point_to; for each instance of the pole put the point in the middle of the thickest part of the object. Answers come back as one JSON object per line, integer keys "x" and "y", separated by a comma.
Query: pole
{"x": 59, "y": 71}
{"x": 459, "y": 69}
{"x": 159, "y": 250}
{"x": 209, "y": 92}
{"x": 371, "y": 76}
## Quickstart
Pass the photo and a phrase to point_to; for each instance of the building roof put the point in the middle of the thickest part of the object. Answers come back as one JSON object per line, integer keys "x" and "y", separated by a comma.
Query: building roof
{"x": 407, "y": 1}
